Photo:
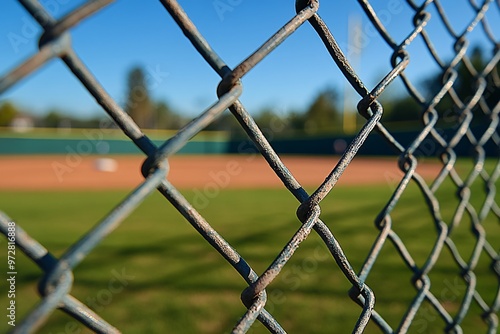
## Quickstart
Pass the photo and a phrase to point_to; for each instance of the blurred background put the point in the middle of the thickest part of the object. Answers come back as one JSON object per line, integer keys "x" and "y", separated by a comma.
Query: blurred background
{"x": 64, "y": 165}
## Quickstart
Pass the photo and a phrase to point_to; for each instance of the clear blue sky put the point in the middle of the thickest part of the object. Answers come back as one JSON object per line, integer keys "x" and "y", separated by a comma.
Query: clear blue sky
{"x": 129, "y": 33}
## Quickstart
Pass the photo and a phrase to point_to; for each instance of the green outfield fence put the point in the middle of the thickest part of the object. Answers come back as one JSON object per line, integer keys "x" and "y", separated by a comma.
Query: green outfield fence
{"x": 55, "y": 285}
{"x": 82, "y": 141}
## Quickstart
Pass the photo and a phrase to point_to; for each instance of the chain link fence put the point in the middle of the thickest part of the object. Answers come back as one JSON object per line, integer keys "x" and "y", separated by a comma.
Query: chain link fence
{"x": 56, "y": 284}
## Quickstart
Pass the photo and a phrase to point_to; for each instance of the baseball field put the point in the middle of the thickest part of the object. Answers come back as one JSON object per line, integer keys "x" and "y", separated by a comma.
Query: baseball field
{"x": 156, "y": 274}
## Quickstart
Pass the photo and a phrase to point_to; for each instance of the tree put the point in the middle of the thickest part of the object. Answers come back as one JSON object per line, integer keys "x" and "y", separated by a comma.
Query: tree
{"x": 165, "y": 118}
{"x": 296, "y": 121}
{"x": 404, "y": 109}
{"x": 7, "y": 113}
{"x": 322, "y": 115}
{"x": 139, "y": 105}
{"x": 55, "y": 119}
{"x": 271, "y": 123}
{"x": 226, "y": 122}
{"x": 465, "y": 87}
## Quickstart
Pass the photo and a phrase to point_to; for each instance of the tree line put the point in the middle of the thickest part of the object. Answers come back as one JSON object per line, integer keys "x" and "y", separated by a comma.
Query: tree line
{"x": 321, "y": 116}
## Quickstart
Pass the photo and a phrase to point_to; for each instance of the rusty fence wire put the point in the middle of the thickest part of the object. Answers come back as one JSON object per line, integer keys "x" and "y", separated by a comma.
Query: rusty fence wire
{"x": 56, "y": 283}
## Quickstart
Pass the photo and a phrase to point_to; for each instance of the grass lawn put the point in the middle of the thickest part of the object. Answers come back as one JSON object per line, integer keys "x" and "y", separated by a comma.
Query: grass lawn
{"x": 171, "y": 280}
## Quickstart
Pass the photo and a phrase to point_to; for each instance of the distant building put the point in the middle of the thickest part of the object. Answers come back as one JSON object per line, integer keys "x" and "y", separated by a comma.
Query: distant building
{"x": 22, "y": 123}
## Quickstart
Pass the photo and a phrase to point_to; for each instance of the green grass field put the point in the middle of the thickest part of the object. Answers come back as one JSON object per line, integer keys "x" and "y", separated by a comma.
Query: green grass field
{"x": 172, "y": 281}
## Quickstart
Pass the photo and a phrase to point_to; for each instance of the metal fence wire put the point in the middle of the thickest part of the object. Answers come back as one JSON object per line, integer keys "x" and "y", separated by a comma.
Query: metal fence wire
{"x": 56, "y": 283}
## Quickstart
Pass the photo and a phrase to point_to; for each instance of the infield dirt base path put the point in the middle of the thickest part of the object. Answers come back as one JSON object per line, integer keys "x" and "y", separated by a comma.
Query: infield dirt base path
{"x": 238, "y": 171}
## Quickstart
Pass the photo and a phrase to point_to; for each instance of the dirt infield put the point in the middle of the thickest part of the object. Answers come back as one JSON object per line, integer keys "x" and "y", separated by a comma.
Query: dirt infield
{"x": 123, "y": 172}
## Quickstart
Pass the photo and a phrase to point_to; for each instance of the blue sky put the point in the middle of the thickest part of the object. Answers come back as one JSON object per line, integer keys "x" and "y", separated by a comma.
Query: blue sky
{"x": 129, "y": 33}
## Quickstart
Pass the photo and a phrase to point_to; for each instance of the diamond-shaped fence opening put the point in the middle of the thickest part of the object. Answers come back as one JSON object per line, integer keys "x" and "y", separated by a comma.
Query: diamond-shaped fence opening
{"x": 456, "y": 226}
